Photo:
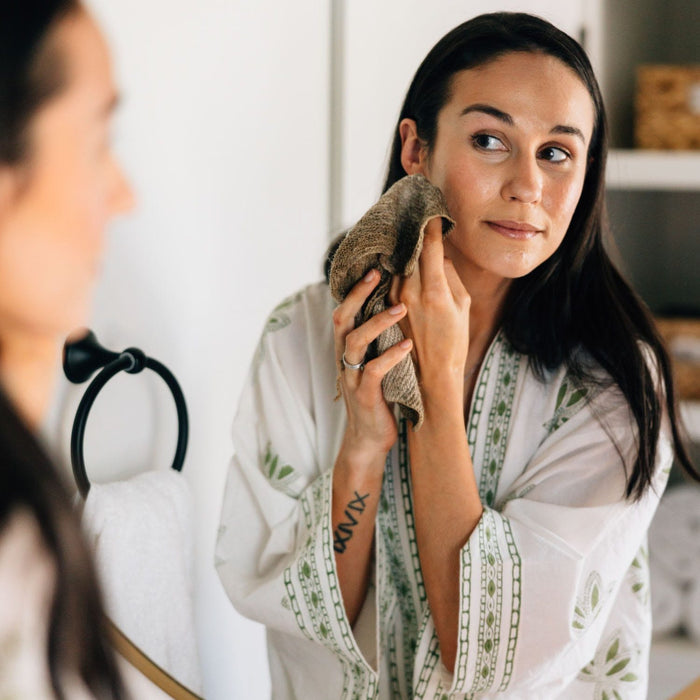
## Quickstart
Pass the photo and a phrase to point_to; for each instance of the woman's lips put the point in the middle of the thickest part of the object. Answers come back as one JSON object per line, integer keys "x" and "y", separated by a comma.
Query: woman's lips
{"x": 519, "y": 230}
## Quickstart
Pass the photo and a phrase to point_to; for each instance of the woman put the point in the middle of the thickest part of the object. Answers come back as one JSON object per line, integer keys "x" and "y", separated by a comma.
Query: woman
{"x": 500, "y": 548}
{"x": 59, "y": 186}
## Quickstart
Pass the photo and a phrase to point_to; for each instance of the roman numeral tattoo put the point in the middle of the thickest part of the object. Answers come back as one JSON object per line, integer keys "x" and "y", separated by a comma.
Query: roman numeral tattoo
{"x": 343, "y": 533}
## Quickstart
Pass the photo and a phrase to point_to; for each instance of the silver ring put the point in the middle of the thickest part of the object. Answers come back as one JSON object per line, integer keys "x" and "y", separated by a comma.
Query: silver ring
{"x": 350, "y": 365}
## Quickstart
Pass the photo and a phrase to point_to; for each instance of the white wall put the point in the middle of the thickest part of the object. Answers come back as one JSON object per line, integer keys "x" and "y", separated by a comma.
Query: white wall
{"x": 384, "y": 44}
{"x": 223, "y": 130}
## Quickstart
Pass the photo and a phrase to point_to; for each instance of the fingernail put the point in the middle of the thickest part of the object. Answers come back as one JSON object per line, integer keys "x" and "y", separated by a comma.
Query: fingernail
{"x": 369, "y": 276}
{"x": 406, "y": 344}
{"x": 398, "y": 309}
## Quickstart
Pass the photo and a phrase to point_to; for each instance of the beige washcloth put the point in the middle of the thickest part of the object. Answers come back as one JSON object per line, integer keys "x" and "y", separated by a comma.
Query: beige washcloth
{"x": 389, "y": 237}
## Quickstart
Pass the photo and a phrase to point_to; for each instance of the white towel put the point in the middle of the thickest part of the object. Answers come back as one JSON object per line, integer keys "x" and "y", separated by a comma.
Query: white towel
{"x": 674, "y": 535}
{"x": 666, "y": 602}
{"x": 141, "y": 531}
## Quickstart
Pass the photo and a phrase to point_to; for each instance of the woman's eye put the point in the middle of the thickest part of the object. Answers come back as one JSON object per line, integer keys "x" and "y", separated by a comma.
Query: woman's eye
{"x": 554, "y": 155}
{"x": 486, "y": 142}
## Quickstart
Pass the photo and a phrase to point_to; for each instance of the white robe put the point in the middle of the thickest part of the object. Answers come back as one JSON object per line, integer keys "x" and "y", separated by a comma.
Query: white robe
{"x": 554, "y": 580}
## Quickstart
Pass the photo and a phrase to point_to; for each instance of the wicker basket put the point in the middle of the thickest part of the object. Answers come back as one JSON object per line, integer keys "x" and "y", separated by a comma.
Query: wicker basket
{"x": 668, "y": 107}
{"x": 686, "y": 370}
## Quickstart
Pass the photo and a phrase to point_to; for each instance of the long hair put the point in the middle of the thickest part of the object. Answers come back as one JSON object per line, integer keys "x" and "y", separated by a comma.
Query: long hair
{"x": 32, "y": 71}
{"x": 577, "y": 298}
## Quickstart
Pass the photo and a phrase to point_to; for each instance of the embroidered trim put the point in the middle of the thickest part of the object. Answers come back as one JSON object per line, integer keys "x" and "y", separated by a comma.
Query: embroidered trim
{"x": 407, "y": 593}
{"x": 498, "y": 424}
{"x": 358, "y": 681}
{"x": 491, "y": 609}
{"x": 500, "y": 577}
{"x": 405, "y": 475}
{"x": 516, "y": 602}
{"x": 429, "y": 663}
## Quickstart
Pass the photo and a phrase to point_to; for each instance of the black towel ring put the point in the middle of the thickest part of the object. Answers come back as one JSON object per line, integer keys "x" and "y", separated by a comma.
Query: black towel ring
{"x": 83, "y": 357}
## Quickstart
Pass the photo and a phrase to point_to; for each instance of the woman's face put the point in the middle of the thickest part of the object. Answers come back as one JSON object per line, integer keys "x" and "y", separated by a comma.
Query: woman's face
{"x": 54, "y": 207}
{"x": 510, "y": 157}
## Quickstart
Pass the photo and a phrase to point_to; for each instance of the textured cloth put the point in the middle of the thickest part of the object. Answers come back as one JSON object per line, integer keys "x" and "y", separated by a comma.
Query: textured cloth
{"x": 141, "y": 532}
{"x": 389, "y": 238}
{"x": 554, "y": 581}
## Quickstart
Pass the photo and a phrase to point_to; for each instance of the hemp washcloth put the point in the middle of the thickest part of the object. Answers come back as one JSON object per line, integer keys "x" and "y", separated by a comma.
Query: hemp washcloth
{"x": 389, "y": 238}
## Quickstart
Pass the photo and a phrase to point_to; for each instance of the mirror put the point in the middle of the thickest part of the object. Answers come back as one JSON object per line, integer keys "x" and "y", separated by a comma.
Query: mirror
{"x": 241, "y": 177}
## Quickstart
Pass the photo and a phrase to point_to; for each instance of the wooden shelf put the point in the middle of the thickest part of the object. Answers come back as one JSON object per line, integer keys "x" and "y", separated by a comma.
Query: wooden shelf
{"x": 654, "y": 170}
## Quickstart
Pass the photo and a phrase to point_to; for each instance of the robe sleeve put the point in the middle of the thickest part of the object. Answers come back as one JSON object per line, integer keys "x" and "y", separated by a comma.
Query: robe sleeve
{"x": 274, "y": 551}
{"x": 540, "y": 573}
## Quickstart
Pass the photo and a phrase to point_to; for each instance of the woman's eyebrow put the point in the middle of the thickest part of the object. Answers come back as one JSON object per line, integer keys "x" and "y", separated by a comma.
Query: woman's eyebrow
{"x": 573, "y": 130}
{"x": 488, "y": 109}
{"x": 507, "y": 119}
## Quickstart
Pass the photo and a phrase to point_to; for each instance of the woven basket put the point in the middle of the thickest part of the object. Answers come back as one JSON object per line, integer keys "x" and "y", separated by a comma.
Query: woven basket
{"x": 668, "y": 107}
{"x": 686, "y": 372}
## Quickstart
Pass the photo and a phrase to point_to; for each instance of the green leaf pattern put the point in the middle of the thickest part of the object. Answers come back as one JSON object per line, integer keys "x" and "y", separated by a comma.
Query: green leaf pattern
{"x": 614, "y": 669}
{"x": 639, "y": 575}
{"x": 281, "y": 476}
{"x": 276, "y": 321}
{"x": 571, "y": 398}
{"x": 589, "y": 604}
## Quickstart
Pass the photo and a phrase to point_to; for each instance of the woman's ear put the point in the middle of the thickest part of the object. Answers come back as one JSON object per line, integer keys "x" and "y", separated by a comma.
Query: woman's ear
{"x": 413, "y": 150}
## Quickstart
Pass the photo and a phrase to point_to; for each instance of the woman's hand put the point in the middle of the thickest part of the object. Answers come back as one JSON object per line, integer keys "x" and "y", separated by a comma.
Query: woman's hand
{"x": 371, "y": 428}
{"x": 437, "y": 318}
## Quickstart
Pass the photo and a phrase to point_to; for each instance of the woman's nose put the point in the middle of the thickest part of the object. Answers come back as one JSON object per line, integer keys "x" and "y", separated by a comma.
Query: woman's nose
{"x": 524, "y": 180}
{"x": 122, "y": 199}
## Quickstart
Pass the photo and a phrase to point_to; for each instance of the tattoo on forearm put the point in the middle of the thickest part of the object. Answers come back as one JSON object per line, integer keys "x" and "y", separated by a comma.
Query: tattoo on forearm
{"x": 343, "y": 532}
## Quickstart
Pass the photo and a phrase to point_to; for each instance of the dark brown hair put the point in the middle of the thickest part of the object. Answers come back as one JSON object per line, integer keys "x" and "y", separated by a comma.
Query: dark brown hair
{"x": 31, "y": 68}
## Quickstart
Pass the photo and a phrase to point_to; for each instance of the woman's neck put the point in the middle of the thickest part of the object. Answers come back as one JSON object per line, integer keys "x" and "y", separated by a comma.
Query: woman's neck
{"x": 485, "y": 314}
{"x": 27, "y": 372}
{"x": 488, "y": 294}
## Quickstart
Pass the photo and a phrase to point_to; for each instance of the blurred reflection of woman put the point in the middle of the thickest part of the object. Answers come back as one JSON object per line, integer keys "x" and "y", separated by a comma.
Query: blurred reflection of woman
{"x": 59, "y": 186}
{"x": 499, "y": 550}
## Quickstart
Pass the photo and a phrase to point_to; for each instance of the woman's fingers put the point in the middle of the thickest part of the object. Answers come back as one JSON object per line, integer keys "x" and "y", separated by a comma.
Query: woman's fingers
{"x": 375, "y": 370}
{"x": 344, "y": 314}
{"x": 431, "y": 260}
{"x": 352, "y": 343}
{"x": 357, "y": 341}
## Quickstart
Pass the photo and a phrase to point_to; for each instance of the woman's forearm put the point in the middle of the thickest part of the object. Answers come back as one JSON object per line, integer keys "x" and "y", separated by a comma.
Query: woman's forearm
{"x": 447, "y": 508}
{"x": 356, "y": 490}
